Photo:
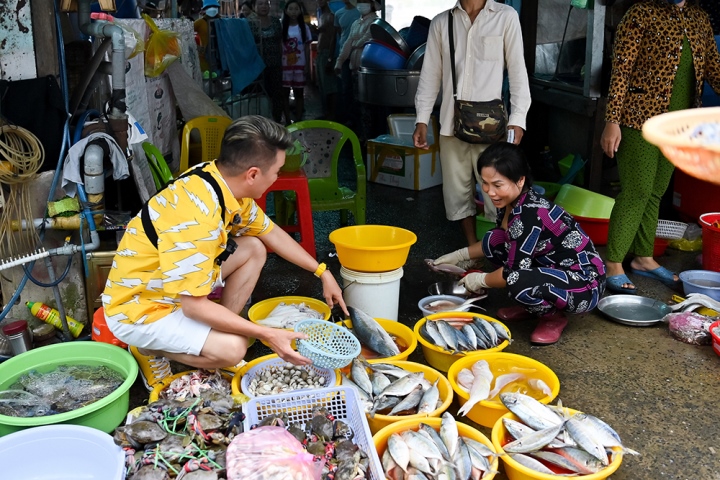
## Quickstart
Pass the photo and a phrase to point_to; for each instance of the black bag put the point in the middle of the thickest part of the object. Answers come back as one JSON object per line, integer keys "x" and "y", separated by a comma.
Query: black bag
{"x": 475, "y": 122}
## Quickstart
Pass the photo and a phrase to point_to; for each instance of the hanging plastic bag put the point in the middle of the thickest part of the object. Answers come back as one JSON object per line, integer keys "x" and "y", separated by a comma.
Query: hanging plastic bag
{"x": 270, "y": 453}
{"x": 161, "y": 50}
{"x": 134, "y": 43}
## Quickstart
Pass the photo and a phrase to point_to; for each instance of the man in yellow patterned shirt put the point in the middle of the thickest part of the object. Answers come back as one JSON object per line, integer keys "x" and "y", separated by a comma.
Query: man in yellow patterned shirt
{"x": 156, "y": 295}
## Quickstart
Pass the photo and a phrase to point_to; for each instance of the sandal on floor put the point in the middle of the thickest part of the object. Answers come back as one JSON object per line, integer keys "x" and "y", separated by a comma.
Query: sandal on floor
{"x": 660, "y": 274}
{"x": 616, "y": 282}
{"x": 549, "y": 329}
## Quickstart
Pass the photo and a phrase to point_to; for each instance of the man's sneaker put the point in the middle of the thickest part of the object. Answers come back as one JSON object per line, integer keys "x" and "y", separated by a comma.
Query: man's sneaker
{"x": 234, "y": 369}
{"x": 152, "y": 369}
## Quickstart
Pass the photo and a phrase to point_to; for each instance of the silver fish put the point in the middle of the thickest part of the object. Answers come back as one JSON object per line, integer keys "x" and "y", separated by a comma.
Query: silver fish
{"x": 360, "y": 376}
{"x": 379, "y": 382}
{"x": 468, "y": 331}
{"x": 403, "y": 386}
{"x": 449, "y": 433}
{"x": 447, "y": 472}
{"x": 581, "y": 459}
{"x": 531, "y": 463}
{"x": 483, "y": 340}
{"x": 462, "y": 460}
{"x": 437, "y": 440}
{"x": 387, "y": 369}
{"x": 463, "y": 342}
{"x": 489, "y": 330}
{"x": 429, "y": 400}
{"x": 420, "y": 442}
{"x": 535, "y": 441}
{"x": 587, "y": 436}
{"x": 417, "y": 460}
{"x": 383, "y": 403}
{"x": 415, "y": 474}
{"x": 607, "y": 436}
{"x": 433, "y": 332}
{"x": 387, "y": 461}
{"x": 516, "y": 429}
{"x": 409, "y": 402}
{"x": 444, "y": 267}
{"x": 482, "y": 449}
{"x": 449, "y": 334}
{"x": 559, "y": 460}
{"x": 371, "y": 334}
{"x": 501, "y": 332}
{"x": 399, "y": 451}
{"x": 478, "y": 460}
{"x": 364, "y": 397}
{"x": 533, "y": 413}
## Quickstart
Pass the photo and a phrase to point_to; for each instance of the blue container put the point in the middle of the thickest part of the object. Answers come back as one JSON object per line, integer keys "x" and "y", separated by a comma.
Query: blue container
{"x": 381, "y": 57}
{"x": 701, "y": 281}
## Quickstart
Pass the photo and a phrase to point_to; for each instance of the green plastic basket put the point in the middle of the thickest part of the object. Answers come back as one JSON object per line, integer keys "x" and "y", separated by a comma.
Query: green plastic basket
{"x": 105, "y": 414}
{"x": 328, "y": 345}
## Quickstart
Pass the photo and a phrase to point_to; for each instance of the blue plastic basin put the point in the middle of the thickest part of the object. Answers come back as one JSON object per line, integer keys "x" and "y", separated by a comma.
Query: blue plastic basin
{"x": 379, "y": 56}
{"x": 701, "y": 281}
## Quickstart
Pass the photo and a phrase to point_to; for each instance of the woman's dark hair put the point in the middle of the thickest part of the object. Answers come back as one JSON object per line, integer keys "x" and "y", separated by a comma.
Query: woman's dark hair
{"x": 508, "y": 160}
{"x": 301, "y": 21}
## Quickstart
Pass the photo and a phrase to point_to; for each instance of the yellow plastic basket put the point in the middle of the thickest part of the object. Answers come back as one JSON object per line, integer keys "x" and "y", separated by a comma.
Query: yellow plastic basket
{"x": 673, "y": 133}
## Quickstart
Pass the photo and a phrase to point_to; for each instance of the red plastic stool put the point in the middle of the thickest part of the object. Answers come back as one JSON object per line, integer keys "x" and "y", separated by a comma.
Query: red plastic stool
{"x": 101, "y": 332}
{"x": 297, "y": 182}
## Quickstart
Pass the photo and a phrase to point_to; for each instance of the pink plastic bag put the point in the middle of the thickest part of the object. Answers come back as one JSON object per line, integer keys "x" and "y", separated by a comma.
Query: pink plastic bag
{"x": 270, "y": 453}
{"x": 689, "y": 327}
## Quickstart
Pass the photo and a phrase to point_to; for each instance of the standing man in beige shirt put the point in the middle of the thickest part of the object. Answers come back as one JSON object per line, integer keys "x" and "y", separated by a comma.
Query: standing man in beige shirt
{"x": 488, "y": 41}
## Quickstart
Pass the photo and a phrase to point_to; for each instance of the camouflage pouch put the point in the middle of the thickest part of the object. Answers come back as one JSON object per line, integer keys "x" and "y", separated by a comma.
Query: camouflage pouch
{"x": 480, "y": 122}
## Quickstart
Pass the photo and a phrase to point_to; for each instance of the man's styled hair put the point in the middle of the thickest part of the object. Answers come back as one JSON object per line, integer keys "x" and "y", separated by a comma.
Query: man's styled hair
{"x": 252, "y": 141}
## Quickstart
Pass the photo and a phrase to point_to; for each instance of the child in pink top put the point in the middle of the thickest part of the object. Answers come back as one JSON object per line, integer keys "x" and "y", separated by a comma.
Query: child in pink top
{"x": 295, "y": 57}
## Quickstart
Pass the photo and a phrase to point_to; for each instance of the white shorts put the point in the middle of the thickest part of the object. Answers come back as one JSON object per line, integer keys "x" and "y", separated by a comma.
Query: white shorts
{"x": 174, "y": 333}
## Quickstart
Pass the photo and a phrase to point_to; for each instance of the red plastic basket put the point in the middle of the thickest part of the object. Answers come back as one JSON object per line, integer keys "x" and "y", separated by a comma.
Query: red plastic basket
{"x": 715, "y": 338}
{"x": 596, "y": 228}
{"x": 710, "y": 241}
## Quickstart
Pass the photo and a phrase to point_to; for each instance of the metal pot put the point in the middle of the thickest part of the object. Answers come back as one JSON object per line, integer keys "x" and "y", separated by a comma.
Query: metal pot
{"x": 415, "y": 60}
{"x": 392, "y": 88}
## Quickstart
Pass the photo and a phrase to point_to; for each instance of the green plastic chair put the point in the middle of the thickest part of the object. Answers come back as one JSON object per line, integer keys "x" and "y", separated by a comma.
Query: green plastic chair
{"x": 324, "y": 140}
{"x": 158, "y": 167}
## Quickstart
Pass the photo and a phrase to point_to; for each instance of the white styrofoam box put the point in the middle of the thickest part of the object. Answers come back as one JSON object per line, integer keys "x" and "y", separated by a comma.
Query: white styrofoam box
{"x": 403, "y": 166}
{"x": 402, "y": 125}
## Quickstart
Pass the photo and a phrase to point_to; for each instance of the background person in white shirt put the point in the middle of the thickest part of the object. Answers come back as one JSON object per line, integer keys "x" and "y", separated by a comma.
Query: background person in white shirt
{"x": 488, "y": 41}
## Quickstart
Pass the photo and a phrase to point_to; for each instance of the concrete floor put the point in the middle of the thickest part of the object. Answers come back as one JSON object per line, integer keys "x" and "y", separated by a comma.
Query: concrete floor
{"x": 658, "y": 393}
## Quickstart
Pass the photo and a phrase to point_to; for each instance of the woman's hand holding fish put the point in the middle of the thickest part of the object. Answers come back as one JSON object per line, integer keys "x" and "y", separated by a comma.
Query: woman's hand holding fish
{"x": 280, "y": 342}
{"x": 332, "y": 292}
{"x": 453, "y": 258}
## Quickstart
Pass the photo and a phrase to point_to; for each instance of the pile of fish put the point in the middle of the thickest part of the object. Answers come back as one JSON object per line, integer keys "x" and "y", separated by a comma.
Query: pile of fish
{"x": 371, "y": 334}
{"x": 330, "y": 440}
{"x": 391, "y": 390}
{"x": 478, "y": 382}
{"x": 186, "y": 439}
{"x": 286, "y": 315}
{"x": 550, "y": 440}
{"x": 285, "y": 378}
{"x": 194, "y": 384}
{"x": 64, "y": 389}
{"x": 427, "y": 454}
{"x": 464, "y": 334}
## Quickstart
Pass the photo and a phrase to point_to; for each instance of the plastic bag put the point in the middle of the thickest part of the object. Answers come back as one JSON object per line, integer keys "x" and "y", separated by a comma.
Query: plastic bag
{"x": 134, "y": 42}
{"x": 162, "y": 49}
{"x": 270, "y": 453}
{"x": 689, "y": 327}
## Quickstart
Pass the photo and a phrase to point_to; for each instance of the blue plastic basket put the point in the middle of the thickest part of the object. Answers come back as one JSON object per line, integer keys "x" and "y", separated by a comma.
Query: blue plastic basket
{"x": 328, "y": 345}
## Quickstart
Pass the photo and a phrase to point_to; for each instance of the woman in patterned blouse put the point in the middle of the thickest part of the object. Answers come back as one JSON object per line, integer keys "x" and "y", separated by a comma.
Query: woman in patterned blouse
{"x": 547, "y": 262}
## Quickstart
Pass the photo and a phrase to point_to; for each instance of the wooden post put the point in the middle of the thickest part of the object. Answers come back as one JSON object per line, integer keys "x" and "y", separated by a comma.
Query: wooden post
{"x": 45, "y": 37}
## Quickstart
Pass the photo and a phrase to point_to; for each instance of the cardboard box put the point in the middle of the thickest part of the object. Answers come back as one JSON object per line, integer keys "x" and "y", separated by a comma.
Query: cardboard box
{"x": 393, "y": 160}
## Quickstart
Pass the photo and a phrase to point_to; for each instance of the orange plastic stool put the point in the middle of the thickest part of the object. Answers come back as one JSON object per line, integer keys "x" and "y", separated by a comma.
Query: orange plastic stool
{"x": 297, "y": 182}
{"x": 101, "y": 332}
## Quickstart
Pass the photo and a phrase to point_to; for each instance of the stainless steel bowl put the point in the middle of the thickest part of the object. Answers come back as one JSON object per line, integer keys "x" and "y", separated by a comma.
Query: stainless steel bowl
{"x": 415, "y": 60}
{"x": 448, "y": 288}
{"x": 383, "y": 31}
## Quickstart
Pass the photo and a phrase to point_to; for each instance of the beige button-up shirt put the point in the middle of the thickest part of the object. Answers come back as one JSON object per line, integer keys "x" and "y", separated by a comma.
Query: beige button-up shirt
{"x": 483, "y": 50}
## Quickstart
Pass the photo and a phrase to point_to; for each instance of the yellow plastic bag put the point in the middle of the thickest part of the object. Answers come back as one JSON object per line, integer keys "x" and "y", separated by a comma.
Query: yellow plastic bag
{"x": 161, "y": 50}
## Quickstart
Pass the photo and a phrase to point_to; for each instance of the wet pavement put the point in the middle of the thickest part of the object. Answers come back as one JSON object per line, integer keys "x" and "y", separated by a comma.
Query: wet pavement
{"x": 658, "y": 393}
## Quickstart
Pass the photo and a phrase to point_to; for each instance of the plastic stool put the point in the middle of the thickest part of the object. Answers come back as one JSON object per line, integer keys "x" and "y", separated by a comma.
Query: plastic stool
{"x": 298, "y": 183}
{"x": 101, "y": 332}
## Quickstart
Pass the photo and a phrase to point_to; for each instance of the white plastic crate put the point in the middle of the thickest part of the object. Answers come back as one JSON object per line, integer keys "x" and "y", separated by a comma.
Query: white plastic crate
{"x": 330, "y": 375}
{"x": 342, "y": 402}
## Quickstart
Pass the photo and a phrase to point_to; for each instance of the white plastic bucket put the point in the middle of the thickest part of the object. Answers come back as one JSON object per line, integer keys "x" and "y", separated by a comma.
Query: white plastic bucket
{"x": 376, "y": 294}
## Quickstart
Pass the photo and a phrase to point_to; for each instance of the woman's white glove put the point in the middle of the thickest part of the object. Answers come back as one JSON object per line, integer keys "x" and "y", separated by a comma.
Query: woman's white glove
{"x": 474, "y": 282}
{"x": 453, "y": 258}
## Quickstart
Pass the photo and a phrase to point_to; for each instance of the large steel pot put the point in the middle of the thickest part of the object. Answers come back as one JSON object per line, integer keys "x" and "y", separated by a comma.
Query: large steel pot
{"x": 392, "y": 88}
